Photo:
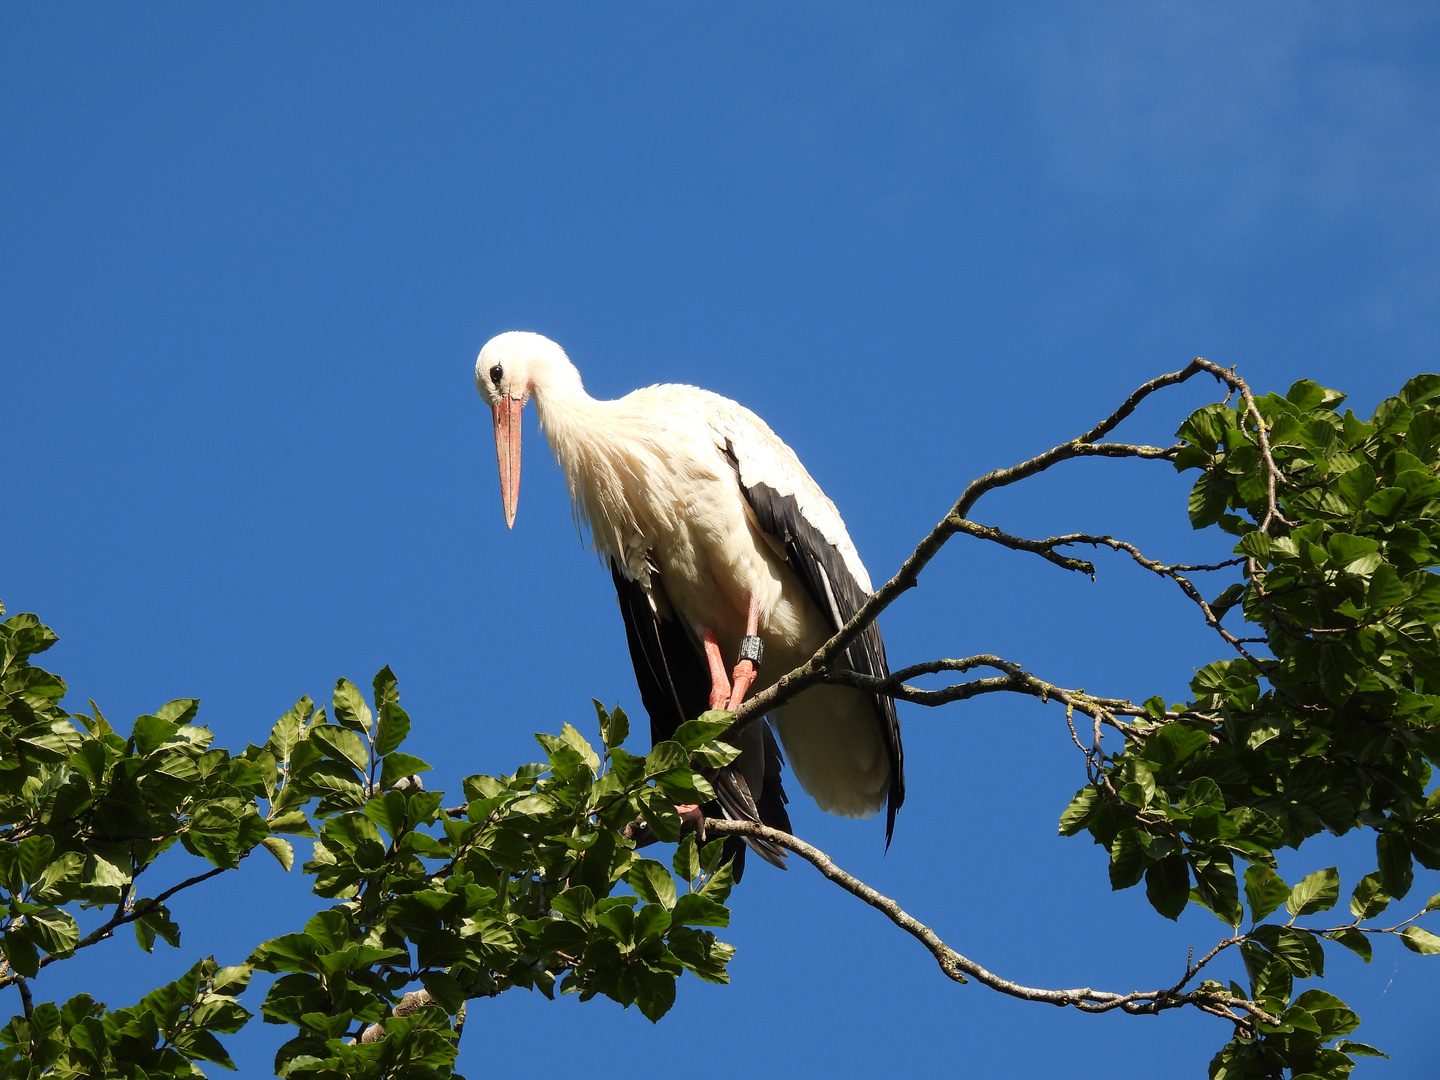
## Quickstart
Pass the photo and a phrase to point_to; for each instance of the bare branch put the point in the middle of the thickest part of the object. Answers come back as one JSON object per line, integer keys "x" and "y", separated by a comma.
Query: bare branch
{"x": 1015, "y": 680}
{"x": 961, "y": 968}
{"x": 26, "y": 1001}
{"x": 1044, "y": 548}
{"x": 908, "y": 575}
{"x": 123, "y": 914}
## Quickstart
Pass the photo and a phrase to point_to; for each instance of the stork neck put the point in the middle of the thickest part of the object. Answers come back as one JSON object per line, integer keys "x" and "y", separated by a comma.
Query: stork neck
{"x": 560, "y": 400}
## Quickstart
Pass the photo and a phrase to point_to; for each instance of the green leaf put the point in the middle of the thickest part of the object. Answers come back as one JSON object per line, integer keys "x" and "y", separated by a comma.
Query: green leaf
{"x": 1385, "y": 589}
{"x": 1354, "y": 554}
{"x": 1396, "y": 870}
{"x": 1359, "y": 1049}
{"x": 687, "y": 859}
{"x": 693, "y": 909}
{"x": 1305, "y": 395}
{"x": 654, "y": 995}
{"x": 577, "y": 904}
{"x": 33, "y": 857}
{"x": 231, "y": 980}
{"x": 394, "y": 723}
{"x": 1256, "y": 544}
{"x": 1167, "y": 886}
{"x": 1217, "y": 889}
{"x": 721, "y": 880}
{"x": 1201, "y": 792}
{"x": 20, "y": 951}
{"x": 693, "y": 734}
{"x": 1353, "y": 940}
{"x": 341, "y": 744}
{"x": 350, "y": 708}
{"x": 1127, "y": 859}
{"x": 715, "y": 754}
{"x": 445, "y": 989}
{"x": 1315, "y": 892}
{"x": 1264, "y": 891}
{"x": 203, "y": 1046}
{"x": 1298, "y": 948}
{"x": 666, "y": 757}
{"x": 1075, "y": 815}
{"x": 1205, "y": 427}
{"x": 55, "y": 930}
{"x": 1229, "y": 597}
{"x": 287, "y": 729}
{"x": 1369, "y": 898}
{"x": 179, "y": 711}
{"x": 1386, "y": 501}
{"x": 1331, "y": 1014}
{"x": 652, "y": 883}
{"x": 1208, "y": 500}
{"x": 651, "y": 921}
{"x": 577, "y": 742}
{"x": 150, "y": 733}
{"x": 282, "y": 849}
{"x": 614, "y": 726}
{"x": 684, "y": 786}
{"x": 701, "y": 953}
{"x": 397, "y": 765}
{"x": 1420, "y": 941}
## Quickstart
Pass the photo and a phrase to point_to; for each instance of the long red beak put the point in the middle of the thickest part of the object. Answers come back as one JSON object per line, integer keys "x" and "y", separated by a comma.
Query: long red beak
{"x": 507, "y": 450}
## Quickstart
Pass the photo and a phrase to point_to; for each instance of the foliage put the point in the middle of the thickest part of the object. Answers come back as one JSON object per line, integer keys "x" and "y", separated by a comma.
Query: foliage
{"x": 1337, "y": 729}
{"x": 517, "y": 888}
{"x": 164, "y": 1035}
{"x": 85, "y": 813}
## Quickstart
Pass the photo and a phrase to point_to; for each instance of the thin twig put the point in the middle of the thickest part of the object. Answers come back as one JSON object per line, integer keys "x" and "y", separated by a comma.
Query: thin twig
{"x": 1015, "y": 680}
{"x": 26, "y": 1001}
{"x": 907, "y": 576}
{"x": 123, "y": 916}
{"x": 961, "y": 968}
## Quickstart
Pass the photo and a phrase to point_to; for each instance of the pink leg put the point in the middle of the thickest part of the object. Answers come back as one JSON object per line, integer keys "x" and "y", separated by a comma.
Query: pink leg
{"x": 719, "y": 683}
{"x": 745, "y": 671}
{"x": 691, "y": 816}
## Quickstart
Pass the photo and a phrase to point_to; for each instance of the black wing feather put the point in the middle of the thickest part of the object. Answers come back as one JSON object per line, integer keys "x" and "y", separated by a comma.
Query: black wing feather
{"x": 838, "y": 595}
{"x": 674, "y": 685}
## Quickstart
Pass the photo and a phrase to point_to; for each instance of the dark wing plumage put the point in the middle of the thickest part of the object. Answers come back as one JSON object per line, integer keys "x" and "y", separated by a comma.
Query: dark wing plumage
{"x": 827, "y": 579}
{"x": 674, "y": 687}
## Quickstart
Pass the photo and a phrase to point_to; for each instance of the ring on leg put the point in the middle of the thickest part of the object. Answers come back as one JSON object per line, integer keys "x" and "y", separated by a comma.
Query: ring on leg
{"x": 752, "y": 649}
{"x": 747, "y": 670}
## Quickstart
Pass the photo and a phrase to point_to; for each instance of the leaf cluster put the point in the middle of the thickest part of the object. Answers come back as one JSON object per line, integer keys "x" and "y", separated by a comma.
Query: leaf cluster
{"x": 520, "y": 887}
{"x": 1337, "y": 520}
{"x": 535, "y": 882}
{"x": 85, "y": 811}
{"x": 162, "y": 1036}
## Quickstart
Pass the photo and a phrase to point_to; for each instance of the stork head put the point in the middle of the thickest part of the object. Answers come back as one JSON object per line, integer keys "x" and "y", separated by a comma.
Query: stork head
{"x": 510, "y": 368}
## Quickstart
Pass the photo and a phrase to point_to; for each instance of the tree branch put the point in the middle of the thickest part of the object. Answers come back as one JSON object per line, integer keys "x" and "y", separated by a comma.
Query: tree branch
{"x": 961, "y": 969}
{"x": 120, "y": 918}
{"x": 26, "y": 1001}
{"x": 1087, "y": 444}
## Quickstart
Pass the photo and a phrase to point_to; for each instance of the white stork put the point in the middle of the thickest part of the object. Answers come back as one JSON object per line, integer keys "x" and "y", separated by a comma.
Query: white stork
{"x": 715, "y": 534}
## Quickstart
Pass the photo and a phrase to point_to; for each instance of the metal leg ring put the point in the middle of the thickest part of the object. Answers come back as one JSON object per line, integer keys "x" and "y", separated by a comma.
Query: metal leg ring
{"x": 752, "y": 649}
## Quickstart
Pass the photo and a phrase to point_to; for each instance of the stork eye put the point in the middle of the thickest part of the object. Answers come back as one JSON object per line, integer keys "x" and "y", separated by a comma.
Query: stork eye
{"x": 496, "y": 374}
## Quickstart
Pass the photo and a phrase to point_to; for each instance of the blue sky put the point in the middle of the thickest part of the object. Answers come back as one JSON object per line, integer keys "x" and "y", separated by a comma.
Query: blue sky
{"x": 251, "y": 252}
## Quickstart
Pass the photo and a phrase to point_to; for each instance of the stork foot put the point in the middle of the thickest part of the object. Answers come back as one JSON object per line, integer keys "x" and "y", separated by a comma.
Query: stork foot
{"x": 745, "y": 675}
{"x": 747, "y": 670}
{"x": 692, "y": 819}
